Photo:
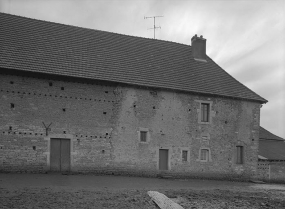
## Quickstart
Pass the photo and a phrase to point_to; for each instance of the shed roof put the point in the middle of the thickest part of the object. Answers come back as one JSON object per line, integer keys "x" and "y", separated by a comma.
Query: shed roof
{"x": 272, "y": 150}
{"x": 51, "y": 48}
{"x": 265, "y": 134}
{"x": 271, "y": 147}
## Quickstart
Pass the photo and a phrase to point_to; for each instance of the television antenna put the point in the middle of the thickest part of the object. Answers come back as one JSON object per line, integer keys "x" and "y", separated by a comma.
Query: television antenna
{"x": 154, "y": 27}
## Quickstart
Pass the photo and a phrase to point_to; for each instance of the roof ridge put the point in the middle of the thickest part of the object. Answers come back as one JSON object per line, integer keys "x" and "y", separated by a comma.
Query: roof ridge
{"x": 92, "y": 29}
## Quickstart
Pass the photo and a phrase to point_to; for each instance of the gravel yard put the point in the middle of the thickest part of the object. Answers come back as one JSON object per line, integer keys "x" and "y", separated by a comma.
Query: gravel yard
{"x": 40, "y": 195}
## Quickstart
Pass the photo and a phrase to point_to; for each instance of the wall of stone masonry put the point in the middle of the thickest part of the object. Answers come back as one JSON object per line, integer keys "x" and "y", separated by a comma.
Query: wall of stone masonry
{"x": 86, "y": 111}
{"x": 172, "y": 121}
{"x": 263, "y": 170}
{"x": 105, "y": 121}
{"x": 271, "y": 171}
{"x": 277, "y": 172}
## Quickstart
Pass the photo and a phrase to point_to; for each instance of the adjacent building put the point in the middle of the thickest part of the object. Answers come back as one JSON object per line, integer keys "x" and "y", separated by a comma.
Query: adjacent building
{"x": 271, "y": 157}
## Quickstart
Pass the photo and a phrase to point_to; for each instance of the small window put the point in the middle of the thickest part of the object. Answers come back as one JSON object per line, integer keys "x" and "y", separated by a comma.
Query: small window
{"x": 184, "y": 155}
{"x": 12, "y": 105}
{"x": 204, "y": 155}
{"x": 205, "y": 107}
{"x": 143, "y": 136}
{"x": 153, "y": 93}
{"x": 239, "y": 154}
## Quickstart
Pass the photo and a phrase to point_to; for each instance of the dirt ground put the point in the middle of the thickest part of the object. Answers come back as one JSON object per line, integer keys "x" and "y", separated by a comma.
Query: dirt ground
{"x": 57, "y": 191}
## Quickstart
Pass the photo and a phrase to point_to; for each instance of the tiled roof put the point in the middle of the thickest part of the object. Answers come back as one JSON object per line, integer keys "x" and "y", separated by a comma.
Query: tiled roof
{"x": 272, "y": 150}
{"x": 271, "y": 147}
{"x": 264, "y": 134}
{"x": 46, "y": 47}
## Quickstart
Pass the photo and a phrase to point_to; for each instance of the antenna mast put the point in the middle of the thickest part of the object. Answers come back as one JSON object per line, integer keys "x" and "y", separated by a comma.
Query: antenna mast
{"x": 154, "y": 27}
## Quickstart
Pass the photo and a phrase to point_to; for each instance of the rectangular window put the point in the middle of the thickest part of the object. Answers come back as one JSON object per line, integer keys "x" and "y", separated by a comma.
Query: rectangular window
{"x": 143, "y": 136}
{"x": 239, "y": 154}
{"x": 204, "y": 155}
{"x": 184, "y": 155}
{"x": 205, "y": 112}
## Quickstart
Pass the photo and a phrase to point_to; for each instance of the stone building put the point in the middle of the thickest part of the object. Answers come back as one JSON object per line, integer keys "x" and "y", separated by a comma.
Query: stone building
{"x": 82, "y": 100}
{"x": 271, "y": 157}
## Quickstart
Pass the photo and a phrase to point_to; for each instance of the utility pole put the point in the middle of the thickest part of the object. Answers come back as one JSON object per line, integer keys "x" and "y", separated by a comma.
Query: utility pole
{"x": 154, "y": 27}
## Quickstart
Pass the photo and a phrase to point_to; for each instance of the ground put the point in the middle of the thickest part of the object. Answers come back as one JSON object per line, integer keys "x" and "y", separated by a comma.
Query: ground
{"x": 89, "y": 191}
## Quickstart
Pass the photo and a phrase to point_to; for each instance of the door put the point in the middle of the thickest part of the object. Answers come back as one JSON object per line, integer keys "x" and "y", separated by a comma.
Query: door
{"x": 163, "y": 159}
{"x": 60, "y": 155}
{"x": 55, "y": 154}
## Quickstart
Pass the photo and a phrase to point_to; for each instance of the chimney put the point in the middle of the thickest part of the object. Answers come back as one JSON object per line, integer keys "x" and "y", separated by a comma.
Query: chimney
{"x": 199, "y": 48}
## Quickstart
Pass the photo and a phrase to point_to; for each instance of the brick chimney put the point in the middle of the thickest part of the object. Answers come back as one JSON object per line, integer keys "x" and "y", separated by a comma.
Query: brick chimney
{"x": 199, "y": 48}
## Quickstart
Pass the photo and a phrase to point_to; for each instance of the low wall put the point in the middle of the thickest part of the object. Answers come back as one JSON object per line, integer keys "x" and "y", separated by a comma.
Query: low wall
{"x": 271, "y": 171}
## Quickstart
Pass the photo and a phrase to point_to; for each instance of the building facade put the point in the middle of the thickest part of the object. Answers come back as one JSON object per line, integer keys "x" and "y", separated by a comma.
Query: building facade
{"x": 52, "y": 120}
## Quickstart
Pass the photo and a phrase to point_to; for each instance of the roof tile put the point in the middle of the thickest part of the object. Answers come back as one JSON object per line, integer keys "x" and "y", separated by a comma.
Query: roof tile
{"x": 45, "y": 47}
{"x": 271, "y": 146}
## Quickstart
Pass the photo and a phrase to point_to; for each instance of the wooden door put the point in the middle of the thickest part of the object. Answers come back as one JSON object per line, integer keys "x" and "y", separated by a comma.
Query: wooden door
{"x": 65, "y": 154}
{"x": 55, "y": 154}
{"x": 163, "y": 159}
{"x": 60, "y": 155}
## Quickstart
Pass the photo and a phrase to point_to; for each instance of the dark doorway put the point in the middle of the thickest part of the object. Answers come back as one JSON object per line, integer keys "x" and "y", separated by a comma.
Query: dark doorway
{"x": 163, "y": 159}
{"x": 60, "y": 155}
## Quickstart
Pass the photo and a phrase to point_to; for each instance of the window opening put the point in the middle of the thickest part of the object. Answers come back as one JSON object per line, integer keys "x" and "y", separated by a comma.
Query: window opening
{"x": 153, "y": 93}
{"x": 12, "y": 105}
{"x": 205, "y": 112}
{"x": 204, "y": 155}
{"x": 239, "y": 154}
{"x": 143, "y": 136}
{"x": 184, "y": 155}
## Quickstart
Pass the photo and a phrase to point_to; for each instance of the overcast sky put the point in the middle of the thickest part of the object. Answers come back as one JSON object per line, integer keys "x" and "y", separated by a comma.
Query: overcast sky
{"x": 246, "y": 38}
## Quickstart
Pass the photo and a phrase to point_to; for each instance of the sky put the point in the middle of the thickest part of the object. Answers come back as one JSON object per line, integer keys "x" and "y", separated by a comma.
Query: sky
{"x": 246, "y": 38}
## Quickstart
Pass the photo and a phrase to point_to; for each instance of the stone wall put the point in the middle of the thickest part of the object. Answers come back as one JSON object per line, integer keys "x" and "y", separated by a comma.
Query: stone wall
{"x": 105, "y": 120}
{"x": 172, "y": 121}
{"x": 263, "y": 170}
{"x": 29, "y": 105}
{"x": 271, "y": 171}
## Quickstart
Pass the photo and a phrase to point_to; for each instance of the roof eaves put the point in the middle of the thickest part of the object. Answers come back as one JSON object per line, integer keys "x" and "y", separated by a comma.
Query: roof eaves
{"x": 261, "y": 100}
{"x": 171, "y": 88}
{"x": 261, "y": 157}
